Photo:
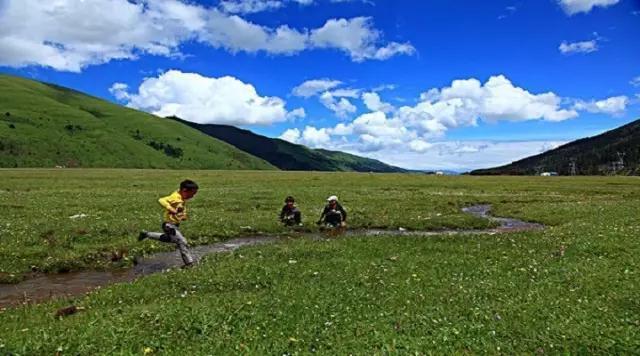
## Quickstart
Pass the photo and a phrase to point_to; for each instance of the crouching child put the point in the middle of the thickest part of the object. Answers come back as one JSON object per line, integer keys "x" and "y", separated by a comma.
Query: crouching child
{"x": 175, "y": 212}
{"x": 333, "y": 214}
{"x": 290, "y": 215}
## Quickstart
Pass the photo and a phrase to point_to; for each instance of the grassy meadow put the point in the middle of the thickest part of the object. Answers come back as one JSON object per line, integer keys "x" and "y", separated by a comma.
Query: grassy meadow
{"x": 571, "y": 288}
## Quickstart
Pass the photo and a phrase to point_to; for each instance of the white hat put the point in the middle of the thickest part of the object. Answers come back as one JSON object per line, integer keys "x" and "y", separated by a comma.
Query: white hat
{"x": 333, "y": 197}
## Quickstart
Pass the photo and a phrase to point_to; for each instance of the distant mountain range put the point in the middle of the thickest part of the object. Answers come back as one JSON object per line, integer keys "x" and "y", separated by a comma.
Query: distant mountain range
{"x": 45, "y": 125}
{"x": 613, "y": 152}
{"x": 289, "y": 156}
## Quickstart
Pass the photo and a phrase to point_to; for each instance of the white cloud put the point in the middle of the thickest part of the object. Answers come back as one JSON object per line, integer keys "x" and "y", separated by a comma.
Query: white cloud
{"x": 460, "y": 155}
{"x": 341, "y": 129}
{"x": 578, "y": 47}
{"x": 384, "y": 87}
{"x": 420, "y": 146}
{"x": 314, "y": 87}
{"x": 70, "y": 35}
{"x": 310, "y": 136}
{"x": 411, "y": 136}
{"x": 333, "y": 99}
{"x": 463, "y": 103}
{"x": 342, "y": 107}
{"x": 613, "y": 106}
{"x": 358, "y": 38}
{"x": 346, "y": 93}
{"x": 193, "y": 97}
{"x": 635, "y": 81}
{"x": 119, "y": 91}
{"x": 314, "y": 137}
{"x": 254, "y": 6}
{"x": 291, "y": 135}
{"x": 377, "y": 124}
{"x": 373, "y": 102}
{"x": 441, "y": 155}
{"x": 572, "y": 7}
{"x": 298, "y": 113}
{"x": 468, "y": 100}
{"x": 249, "y": 6}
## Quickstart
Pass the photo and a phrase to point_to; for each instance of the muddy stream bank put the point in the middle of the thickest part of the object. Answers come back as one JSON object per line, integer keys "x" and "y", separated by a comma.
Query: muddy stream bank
{"x": 48, "y": 286}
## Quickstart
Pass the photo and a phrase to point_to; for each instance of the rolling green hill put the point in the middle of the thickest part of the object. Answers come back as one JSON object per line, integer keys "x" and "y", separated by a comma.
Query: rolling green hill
{"x": 289, "y": 156}
{"x": 592, "y": 156}
{"x": 44, "y": 125}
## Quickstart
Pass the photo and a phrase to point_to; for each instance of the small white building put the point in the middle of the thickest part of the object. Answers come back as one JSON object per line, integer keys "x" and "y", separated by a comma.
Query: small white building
{"x": 549, "y": 174}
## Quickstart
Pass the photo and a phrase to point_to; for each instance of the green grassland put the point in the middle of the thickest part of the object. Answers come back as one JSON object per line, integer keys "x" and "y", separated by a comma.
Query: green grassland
{"x": 44, "y": 125}
{"x": 571, "y": 288}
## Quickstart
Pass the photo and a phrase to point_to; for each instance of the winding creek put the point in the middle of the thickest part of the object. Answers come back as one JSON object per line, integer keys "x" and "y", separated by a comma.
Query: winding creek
{"x": 48, "y": 286}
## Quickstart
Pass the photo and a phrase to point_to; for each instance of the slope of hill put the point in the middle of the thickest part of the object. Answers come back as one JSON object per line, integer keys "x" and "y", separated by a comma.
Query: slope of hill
{"x": 44, "y": 125}
{"x": 592, "y": 156}
{"x": 289, "y": 156}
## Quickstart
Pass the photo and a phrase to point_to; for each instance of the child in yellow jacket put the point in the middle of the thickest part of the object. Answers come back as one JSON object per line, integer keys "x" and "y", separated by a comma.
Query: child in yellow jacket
{"x": 175, "y": 211}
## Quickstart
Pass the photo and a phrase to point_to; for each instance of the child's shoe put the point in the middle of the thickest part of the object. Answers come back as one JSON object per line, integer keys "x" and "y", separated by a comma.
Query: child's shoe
{"x": 142, "y": 235}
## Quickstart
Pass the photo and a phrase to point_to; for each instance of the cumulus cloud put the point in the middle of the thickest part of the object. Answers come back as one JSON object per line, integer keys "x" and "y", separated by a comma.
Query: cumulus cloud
{"x": 412, "y": 135}
{"x": 193, "y": 97}
{"x": 249, "y": 6}
{"x": 119, "y": 91}
{"x": 373, "y": 102}
{"x": 572, "y": 7}
{"x": 298, "y": 113}
{"x": 420, "y": 146}
{"x": 613, "y": 106}
{"x": 463, "y": 103}
{"x": 346, "y": 93}
{"x": 337, "y": 99}
{"x": 291, "y": 135}
{"x": 314, "y": 87}
{"x": 467, "y": 100}
{"x": 314, "y": 137}
{"x": 310, "y": 136}
{"x": 70, "y": 35}
{"x": 332, "y": 98}
{"x": 578, "y": 47}
{"x": 342, "y": 107}
{"x": 358, "y": 38}
{"x": 635, "y": 81}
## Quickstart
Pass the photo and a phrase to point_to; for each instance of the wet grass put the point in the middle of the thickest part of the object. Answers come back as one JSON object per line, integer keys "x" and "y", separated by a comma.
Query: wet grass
{"x": 572, "y": 287}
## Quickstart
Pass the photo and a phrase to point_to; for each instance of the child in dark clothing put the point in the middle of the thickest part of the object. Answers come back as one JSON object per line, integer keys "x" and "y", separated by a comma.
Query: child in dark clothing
{"x": 290, "y": 215}
{"x": 333, "y": 214}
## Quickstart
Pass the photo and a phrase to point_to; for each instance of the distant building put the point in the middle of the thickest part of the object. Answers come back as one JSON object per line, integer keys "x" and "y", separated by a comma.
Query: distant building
{"x": 549, "y": 174}
{"x": 439, "y": 173}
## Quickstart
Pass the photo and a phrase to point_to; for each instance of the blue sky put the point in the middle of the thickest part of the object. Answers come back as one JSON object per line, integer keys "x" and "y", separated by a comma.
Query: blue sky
{"x": 430, "y": 84}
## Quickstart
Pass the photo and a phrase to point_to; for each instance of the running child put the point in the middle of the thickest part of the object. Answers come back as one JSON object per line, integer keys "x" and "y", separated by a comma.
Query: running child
{"x": 175, "y": 211}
